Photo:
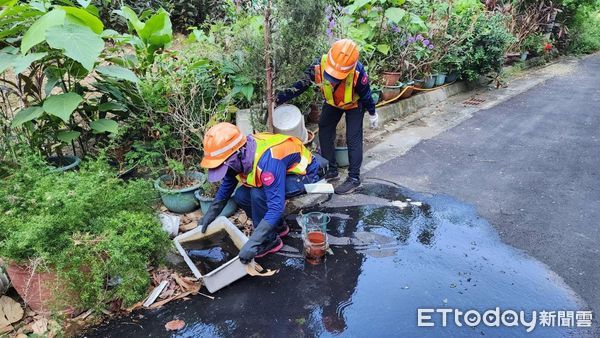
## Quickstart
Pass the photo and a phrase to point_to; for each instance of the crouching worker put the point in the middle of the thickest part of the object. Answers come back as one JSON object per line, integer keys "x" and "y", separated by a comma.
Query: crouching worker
{"x": 270, "y": 168}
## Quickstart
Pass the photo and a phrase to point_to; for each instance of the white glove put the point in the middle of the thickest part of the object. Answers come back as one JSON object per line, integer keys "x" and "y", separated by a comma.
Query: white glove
{"x": 374, "y": 119}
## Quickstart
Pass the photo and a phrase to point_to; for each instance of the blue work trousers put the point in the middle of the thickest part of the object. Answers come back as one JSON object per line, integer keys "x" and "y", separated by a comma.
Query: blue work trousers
{"x": 254, "y": 200}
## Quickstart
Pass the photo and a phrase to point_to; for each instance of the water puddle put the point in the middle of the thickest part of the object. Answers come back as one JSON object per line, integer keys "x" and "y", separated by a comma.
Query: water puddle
{"x": 389, "y": 260}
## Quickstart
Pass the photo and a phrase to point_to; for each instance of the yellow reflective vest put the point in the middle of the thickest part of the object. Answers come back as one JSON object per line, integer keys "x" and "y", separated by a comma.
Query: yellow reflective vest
{"x": 280, "y": 146}
{"x": 344, "y": 96}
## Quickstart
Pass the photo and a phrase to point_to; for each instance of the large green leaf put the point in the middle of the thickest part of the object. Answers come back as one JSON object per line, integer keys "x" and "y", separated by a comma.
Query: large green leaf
{"x": 85, "y": 18}
{"x": 18, "y": 62}
{"x": 62, "y": 105}
{"x": 79, "y": 43}
{"x": 37, "y": 32}
{"x": 157, "y": 30}
{"x": 6, "y": 61}
{"x": 395, "y": 14}
{"x": 118, "y": 72}
{"x": 105, "y": 126}
{"x": 130, "y": 15}
{"x": 111, "y": 106}
{"x": 22, "y": 62}
{"x": 360, "y": 3}
{"x": 26, "y": 114}
{"x": 67, "y": 136}
{"x": 383, "y": 48}
{"x": 7, "y": 3}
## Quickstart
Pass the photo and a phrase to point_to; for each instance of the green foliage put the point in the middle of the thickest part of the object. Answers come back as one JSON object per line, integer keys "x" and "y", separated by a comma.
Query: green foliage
{"x": 586, "y": 28}
{"x": 87, "y": 226}
{"x": 462, "y": 7}
{"x": 184, "y": 14}
{"x": 52, "y": 51}
{"x": 62, "y": 105}
{"x": 533, "y": 43}
{"x": 118, "y": 72}
{"x": 297, "y": 26}
{"x": 484, "y": 39}
{"x": 380, "y": 28}
{"x": 152, "y": 35}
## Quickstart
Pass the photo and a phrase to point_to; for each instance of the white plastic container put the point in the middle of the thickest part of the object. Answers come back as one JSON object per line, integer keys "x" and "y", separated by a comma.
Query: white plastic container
{"x": 226, "y": 273}
{"x": 288, "y": 120}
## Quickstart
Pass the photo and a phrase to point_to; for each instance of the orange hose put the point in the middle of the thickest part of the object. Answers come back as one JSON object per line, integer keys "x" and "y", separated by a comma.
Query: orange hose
{"x": 383, "y": 103}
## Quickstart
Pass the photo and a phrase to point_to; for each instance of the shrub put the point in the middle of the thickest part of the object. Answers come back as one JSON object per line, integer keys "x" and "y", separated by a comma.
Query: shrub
{"x": 88, "y": 226}
{"x": 586, "y": 29}
{"x": 485, "y": 39}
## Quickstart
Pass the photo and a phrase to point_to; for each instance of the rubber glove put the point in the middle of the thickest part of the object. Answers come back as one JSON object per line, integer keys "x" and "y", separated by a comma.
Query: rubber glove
{"x": 261, "y": 236}
{"x": 374, "y": 119}
{"x": 213, "y": 212}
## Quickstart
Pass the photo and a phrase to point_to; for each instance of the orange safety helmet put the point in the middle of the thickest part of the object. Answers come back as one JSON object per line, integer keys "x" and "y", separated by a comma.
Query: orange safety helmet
{"x": 220, "y": 142}
{"x": 341, "y": 58}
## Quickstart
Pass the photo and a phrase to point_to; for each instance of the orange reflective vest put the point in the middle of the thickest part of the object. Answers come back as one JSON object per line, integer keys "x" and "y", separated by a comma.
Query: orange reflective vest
{"x": 343, "y": 96}
{"x": 280, "y": 146}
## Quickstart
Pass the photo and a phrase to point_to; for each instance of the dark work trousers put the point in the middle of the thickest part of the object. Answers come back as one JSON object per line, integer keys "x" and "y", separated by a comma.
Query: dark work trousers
{"x": 330, "y": 116}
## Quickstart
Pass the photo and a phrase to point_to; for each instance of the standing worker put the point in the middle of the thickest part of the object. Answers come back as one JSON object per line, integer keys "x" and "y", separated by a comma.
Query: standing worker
{"x": 270, "y": 167}
{"x": 345, "y": 86}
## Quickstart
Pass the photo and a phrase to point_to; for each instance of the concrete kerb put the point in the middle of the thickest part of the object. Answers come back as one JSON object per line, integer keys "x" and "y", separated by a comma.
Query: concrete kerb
{"x": 410, "y": 105}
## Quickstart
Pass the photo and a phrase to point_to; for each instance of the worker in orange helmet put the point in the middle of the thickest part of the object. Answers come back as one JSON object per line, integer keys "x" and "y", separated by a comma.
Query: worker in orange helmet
{"x": 345, "y": 87}
{"x": 270, "y": 168}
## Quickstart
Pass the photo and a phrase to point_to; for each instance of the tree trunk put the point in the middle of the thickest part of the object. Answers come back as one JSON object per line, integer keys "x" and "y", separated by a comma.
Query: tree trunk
{"x": 268, "y": 68}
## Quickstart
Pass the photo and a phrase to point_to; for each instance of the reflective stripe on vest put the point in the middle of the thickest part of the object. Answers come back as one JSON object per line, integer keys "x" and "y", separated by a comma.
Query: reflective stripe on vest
{"x": 264, "y": 142}
{"x": 350, "y": 98}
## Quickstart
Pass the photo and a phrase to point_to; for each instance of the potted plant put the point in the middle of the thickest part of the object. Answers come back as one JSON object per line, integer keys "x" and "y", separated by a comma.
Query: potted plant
{"x": 419, "y": 60}
{"x": 341, "y": 152}
{"x": 178, "y": 186}
{"x": 181, "y": 118}
{"x": 452, "y": 61}
{"x": 391, "y": 92}
{"x": 205, "y": 196}
{"x": 440, "y": 78}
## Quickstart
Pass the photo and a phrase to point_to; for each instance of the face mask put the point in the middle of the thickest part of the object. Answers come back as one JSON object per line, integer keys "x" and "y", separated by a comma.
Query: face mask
{"x": 241, "y": 161}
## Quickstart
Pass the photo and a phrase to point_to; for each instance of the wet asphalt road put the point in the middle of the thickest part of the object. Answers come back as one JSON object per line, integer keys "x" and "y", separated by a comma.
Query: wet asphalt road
{"x": 390, "y": 258}
{"x": 530, "y": 166}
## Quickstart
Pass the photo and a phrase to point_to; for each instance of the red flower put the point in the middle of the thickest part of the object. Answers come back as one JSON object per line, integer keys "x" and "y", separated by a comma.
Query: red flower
{"x": 547, "y": 47}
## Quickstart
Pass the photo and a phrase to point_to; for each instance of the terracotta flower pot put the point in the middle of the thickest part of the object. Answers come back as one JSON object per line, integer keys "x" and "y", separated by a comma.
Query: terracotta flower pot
{"x": 37, "y": 289}
{"x": 390, "y": 78}
{"x": 390, "y": 92}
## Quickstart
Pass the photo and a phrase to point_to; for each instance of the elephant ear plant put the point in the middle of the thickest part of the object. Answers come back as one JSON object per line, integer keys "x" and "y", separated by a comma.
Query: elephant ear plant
{"x": 94, "y": 232}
